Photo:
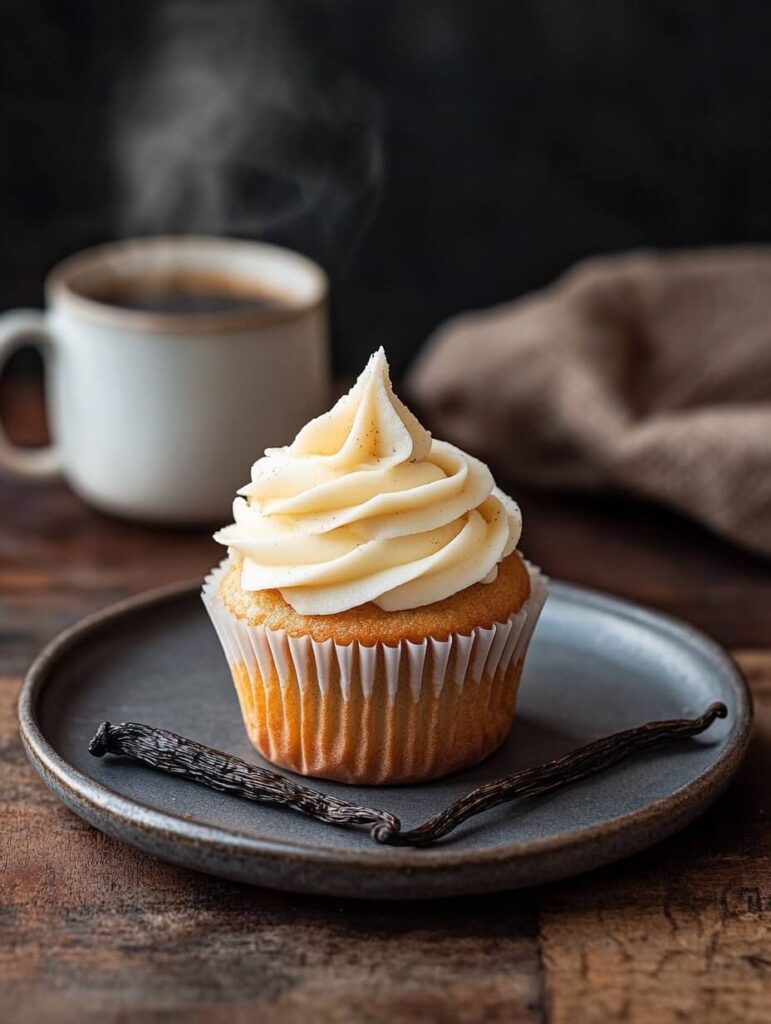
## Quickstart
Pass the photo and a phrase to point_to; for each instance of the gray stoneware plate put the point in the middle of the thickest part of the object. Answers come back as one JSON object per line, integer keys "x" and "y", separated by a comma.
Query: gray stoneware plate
{"x": 596, "y": 665}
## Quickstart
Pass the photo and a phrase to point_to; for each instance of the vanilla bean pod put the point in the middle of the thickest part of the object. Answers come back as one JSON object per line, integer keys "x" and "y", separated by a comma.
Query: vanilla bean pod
{"x": 578, "y": 764}
{"x": 177, "y": 755}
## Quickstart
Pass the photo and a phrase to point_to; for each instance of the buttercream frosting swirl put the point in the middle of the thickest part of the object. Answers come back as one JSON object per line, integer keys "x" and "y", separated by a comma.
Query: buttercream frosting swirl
{"x": 365, "y": 506}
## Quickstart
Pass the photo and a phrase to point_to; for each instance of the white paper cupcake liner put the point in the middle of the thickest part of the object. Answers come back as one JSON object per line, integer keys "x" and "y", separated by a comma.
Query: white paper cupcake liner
{"x": 460, "y": 660}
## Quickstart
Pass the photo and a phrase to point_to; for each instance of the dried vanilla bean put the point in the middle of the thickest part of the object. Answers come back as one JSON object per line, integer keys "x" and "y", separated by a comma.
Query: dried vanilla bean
{"x": 578, "y": 764}
{"x": 179, "y": 756}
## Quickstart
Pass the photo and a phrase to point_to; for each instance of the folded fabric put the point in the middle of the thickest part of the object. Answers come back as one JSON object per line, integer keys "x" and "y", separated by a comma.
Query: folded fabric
{"x": 649, "y": 372}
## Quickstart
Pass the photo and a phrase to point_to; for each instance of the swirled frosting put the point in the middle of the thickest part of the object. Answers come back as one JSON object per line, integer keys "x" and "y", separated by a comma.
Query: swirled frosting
{"x": 365, "y": 506}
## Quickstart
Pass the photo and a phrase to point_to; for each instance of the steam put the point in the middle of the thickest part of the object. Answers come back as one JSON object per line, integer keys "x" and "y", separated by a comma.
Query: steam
{"x": 234, "y": 126}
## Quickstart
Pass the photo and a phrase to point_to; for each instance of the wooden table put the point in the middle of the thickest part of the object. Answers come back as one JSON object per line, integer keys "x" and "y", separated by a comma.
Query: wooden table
{"x": 93, "y": 930}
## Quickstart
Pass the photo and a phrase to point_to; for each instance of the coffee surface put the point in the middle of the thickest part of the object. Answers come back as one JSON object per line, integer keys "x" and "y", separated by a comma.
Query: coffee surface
{"x": 186, "y": 294}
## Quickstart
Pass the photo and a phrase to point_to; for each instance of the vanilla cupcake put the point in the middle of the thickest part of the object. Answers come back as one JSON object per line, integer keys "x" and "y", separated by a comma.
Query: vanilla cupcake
{"x": 373, "y": 608}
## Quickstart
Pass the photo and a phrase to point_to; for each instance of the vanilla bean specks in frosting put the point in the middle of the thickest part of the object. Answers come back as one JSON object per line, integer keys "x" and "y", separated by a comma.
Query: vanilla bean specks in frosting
{"x": 365, "y": 506}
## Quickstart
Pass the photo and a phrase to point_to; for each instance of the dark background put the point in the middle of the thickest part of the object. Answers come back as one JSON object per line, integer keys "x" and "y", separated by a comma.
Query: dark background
{"x": 467, "y": 152}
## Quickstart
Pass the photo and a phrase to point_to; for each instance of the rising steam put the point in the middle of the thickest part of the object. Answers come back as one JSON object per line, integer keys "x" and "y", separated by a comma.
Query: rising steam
{"x": 232, "y": 126}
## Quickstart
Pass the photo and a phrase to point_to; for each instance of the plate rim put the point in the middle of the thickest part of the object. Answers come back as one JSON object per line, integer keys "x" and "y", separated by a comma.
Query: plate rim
{"x": 64, "y": 779}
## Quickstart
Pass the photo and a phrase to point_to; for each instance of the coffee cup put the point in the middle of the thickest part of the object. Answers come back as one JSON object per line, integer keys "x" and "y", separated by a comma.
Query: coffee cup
{"x": 170, "y": 364}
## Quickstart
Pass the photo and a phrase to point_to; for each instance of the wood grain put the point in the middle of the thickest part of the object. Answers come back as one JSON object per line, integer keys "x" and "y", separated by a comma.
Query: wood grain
{"x": 93, "y": 930}
{"x": 683, "y": 931}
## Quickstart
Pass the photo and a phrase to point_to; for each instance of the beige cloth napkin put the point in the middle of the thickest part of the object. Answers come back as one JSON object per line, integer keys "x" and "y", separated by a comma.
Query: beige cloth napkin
{"x": 649, "y": 372}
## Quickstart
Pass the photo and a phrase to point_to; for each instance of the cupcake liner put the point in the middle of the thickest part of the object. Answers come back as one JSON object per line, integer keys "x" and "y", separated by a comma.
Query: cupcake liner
{"x": 300, "y": 696}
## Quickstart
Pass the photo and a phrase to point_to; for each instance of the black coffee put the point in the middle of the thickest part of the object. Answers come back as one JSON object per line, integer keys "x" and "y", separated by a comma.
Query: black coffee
{"x": 187, "y": 294}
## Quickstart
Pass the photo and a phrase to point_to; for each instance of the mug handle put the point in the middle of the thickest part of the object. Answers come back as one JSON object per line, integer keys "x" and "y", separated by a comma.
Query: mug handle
{"x": 17, "y": 328}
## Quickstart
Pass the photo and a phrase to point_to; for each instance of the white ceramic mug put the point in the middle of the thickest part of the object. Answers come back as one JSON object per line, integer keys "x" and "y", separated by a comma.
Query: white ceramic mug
{"x": 159, "y": 415}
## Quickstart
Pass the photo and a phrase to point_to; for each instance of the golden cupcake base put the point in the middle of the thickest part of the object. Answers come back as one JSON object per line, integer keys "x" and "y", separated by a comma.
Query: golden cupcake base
{"x": 377, "y": 710}
{"x": 376, "y": 739}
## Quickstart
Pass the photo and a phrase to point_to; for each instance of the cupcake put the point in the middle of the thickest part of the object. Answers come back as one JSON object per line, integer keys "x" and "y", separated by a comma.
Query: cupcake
{"x": 373, "y": 607}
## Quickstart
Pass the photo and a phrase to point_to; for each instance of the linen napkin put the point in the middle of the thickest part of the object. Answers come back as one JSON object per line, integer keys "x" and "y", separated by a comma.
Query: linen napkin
{"x": 649, "y": 372}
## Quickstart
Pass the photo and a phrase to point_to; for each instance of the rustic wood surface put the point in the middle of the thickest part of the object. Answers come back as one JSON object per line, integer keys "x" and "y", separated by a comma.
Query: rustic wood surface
{"x": 91, "y": 930}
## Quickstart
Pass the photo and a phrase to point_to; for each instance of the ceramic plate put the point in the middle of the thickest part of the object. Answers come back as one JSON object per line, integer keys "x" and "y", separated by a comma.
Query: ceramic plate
{"x": 596, "y": 665}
